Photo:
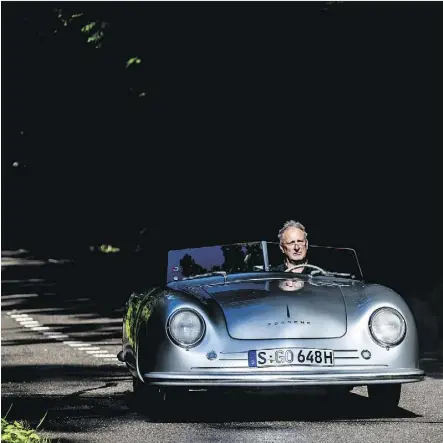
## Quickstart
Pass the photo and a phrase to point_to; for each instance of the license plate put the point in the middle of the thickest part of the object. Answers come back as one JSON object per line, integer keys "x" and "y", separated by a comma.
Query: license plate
{"x": 290, "y": 357}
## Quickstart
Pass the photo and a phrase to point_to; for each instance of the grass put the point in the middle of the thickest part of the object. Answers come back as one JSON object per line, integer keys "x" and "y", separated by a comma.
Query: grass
{"x": 20, "y": 431}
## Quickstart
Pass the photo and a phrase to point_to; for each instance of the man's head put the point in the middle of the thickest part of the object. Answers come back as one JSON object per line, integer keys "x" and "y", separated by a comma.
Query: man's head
{"x": 293, "y": 241}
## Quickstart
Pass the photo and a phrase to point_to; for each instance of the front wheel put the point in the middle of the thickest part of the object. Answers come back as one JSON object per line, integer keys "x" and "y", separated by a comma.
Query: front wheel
{"x": 385, "y": 397}
{"x": 148, "y": 399}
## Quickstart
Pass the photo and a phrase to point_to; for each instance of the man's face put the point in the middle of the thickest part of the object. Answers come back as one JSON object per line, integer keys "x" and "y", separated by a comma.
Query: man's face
{"x": 293, "y": 244}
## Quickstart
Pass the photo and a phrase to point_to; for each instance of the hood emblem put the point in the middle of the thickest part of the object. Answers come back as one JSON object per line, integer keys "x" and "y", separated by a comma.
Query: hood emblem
{"x": 289, "y": 322}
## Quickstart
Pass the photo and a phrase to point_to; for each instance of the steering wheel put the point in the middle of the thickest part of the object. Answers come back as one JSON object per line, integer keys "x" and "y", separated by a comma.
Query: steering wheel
{"x": 308, "y": 266}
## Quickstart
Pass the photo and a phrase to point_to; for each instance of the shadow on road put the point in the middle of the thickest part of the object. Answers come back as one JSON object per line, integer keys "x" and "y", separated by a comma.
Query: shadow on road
{"x": 94, "y": 292}
{"x": 60, "y": 373}
{"x": 80, "y": 285}
{"x": 252, "y": 407}
{"x": 80, "y": 413}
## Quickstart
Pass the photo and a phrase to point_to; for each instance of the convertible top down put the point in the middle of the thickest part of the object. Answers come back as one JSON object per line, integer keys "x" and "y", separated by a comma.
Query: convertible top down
{"x": 224, "y": 318}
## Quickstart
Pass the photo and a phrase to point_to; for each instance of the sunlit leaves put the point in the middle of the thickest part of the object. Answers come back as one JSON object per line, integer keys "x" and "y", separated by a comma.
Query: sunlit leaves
{"x": 20, "y": 432}
{"x": 64, "y": 20}
{"x": 133, "y": 60}
{"x": 94, "y": 32}
{"x": 107, "y": 249}
{"x": 96, "y": 37}
{"x": 87, "y": 28}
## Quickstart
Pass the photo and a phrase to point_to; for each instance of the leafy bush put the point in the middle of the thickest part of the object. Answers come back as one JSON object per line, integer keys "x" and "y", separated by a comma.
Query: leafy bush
{"x": 21, "y": 432}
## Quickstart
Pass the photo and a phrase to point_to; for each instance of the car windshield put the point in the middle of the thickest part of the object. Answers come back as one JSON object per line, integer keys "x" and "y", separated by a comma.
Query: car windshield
{"x": 330, "y": 259}
{"x": 254, "y": 257}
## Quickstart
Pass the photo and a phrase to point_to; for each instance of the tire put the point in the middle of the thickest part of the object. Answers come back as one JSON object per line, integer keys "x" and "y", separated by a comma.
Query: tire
{"x": 148, "y": 400}
{"x": 385, "y": 397}
{"x": 340, "y": 393}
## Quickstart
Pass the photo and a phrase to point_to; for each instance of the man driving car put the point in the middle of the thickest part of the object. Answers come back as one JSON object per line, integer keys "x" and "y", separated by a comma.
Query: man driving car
{"x": 294, "y": 245}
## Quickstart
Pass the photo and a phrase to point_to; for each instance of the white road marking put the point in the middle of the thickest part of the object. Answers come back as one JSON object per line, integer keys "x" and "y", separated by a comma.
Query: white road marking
{"x": 27, "y": 321}
{"x": 14, "y": 296}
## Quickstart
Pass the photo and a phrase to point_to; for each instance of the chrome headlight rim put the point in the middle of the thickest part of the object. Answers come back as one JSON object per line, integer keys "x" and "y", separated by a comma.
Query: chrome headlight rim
{"x": 373, "y": 335}
{"x": 202, "y": 332}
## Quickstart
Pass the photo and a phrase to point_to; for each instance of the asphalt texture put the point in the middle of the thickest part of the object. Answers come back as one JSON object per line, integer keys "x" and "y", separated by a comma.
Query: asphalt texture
{"x": 59, "y": 344}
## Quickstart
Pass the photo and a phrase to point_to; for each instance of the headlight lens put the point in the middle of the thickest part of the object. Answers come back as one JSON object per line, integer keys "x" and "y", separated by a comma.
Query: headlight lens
{"x": 186, "y": 327}
{"x": 387, "y": 326}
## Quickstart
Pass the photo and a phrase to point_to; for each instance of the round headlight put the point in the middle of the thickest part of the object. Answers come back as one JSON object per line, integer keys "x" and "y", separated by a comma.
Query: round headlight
{"x": 387, "y": 326}
{"x": 186, "y": 327}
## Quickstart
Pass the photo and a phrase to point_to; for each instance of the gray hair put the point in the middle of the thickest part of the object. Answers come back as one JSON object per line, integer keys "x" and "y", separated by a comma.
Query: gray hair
{"x": 291, "y": 224}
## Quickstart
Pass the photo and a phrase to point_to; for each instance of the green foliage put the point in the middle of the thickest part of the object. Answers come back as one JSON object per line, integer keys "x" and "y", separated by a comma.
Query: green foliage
{"x": 20, "y": 432}
{"x": 108, "y": 249}
{"x": 95, "y": 38}
{"x": 66, "y": 21}
{"x": 87, "y": 28}
{"x": 132, "y": 60}
{"x": 94, "y": 31}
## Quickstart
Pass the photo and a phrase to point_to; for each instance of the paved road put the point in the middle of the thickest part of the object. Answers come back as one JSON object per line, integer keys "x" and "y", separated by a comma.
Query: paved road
{"x": 58, "y": 356}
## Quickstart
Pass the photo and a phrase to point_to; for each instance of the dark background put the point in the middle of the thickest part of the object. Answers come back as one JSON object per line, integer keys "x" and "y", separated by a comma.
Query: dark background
{"x": 253, "y": 114}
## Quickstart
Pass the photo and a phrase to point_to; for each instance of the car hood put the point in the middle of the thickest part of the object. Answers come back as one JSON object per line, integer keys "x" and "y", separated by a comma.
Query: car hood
{"x": 263, "y": 310}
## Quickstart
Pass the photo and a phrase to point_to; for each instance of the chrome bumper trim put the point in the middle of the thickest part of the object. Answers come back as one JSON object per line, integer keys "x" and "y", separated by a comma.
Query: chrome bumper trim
{"x": 242, "y": 379}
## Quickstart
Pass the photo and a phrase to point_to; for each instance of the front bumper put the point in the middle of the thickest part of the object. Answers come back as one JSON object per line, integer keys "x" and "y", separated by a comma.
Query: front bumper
{"x": 354, "y": 378}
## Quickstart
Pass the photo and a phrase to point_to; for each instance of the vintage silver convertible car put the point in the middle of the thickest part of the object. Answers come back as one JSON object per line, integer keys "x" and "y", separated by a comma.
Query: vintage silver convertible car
{"x": 225, "y": 319}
